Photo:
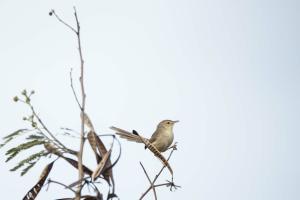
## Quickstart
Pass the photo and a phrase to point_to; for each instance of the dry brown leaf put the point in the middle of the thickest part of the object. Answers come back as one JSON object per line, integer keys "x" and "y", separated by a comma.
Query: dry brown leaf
{"x": 31, "y": 194}
{"x": 100, "y": 146}
{"x": 108, "y": 174}
{"x": 97, "y": 144}
{"x": 92, "y": 141}
{"x": 89, "y": 197}
{"x": 74, "y": 163}
{"x": 101, "y": 165}
{"x": 87, "y": 121}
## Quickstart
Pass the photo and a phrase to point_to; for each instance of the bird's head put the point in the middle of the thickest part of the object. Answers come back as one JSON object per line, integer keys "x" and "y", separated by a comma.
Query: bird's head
{"x": 168, "y": 124}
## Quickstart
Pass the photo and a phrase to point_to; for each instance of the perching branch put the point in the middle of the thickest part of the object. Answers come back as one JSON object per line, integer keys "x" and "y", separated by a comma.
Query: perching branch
{"x": 152, "y": 183}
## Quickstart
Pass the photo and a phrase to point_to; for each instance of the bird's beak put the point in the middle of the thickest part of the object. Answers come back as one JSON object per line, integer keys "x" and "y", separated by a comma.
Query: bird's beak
{"x": 176, "y": 121}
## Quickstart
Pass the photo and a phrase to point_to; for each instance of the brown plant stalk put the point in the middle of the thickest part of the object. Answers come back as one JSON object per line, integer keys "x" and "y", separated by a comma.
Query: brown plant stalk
{"x": 83, "y": 96}
{"x": 152, "y": 183}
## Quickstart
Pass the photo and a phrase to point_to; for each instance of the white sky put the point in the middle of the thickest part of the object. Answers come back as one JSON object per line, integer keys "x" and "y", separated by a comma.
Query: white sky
{"x": 228, "y": 70}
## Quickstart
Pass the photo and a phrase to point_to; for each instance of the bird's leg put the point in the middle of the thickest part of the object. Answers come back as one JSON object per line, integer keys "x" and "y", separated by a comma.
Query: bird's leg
{"x": 174, "y": 146}
{"x": 172, "y": 185}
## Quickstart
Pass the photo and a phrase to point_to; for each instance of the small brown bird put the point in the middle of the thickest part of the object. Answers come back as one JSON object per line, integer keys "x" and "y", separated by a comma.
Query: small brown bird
{"x": 161, "y": 139}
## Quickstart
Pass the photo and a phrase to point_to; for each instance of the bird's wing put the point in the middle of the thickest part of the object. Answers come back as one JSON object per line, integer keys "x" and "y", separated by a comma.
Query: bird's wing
{"x": 155, "y": 151}
{"x": 154, "y": 136}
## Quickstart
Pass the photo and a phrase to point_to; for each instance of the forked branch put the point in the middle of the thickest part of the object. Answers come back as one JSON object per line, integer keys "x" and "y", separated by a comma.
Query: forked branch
{"x": 152, "y": 183}
{"x": 83, "y": 95}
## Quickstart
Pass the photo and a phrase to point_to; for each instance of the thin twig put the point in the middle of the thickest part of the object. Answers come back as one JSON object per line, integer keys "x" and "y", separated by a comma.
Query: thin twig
{"x": 144, "y": 194}
{"x": 167, "y": 184}
{"x": 48, "y": 131}
{"x": 59, "y": 183}
{"x": 83, "y": 95}
{"x": 82, "y": 107}
{"x": 55, "y": 143}
{"x": 73, "y": 90}
{"x": 62, "y": 21}
{"x": 146, "y": 173}
{"x": 156, "y": 177}
{"x": 153, "y": 188}
{"x": 95, "y": 188}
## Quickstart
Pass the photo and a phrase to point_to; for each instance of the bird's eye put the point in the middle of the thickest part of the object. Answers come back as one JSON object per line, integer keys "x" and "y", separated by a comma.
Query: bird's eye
{"x": 168, "y": 122}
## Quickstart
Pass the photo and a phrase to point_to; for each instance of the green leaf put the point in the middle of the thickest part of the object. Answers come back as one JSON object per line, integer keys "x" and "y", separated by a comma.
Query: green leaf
{"x": 11, "y": 156}
{"x": 16, "y": 133}
{"x": 5, "y": 142}
{"x": 33, "y": 192}
{"x": 26, "y": 169}
{"x": 11, "y": 136}
{"x": 11, "y": 153}
{"x": 35, "y": 137}
{"x": 31, "y": 160}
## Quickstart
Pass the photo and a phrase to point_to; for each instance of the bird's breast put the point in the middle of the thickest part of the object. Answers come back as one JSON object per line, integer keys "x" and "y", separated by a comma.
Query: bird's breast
{"x": 164, "y": 140}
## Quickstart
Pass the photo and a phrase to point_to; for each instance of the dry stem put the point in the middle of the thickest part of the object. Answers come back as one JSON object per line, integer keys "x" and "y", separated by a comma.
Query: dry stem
{"x": 152, "y": 183}
{"x": 73, "y": 90}
{"x": 83, "y": 95}
{"x": 59, "y": 183}
{"x": 153, "y": 188}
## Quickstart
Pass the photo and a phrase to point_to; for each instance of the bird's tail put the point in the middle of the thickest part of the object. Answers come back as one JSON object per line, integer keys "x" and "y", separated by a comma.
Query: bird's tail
{"x": 155, "y": 151}
{"x": 127, "y": 135}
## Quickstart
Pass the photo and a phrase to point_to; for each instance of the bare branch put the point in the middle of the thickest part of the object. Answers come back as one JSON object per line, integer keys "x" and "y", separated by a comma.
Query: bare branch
{"x": 62, "y": 21}
{"x": 59, "y": 183}
{"x": 49, "y": 132}
{"x": 169, "y": 183}
{"x": 83, "y": 96}
{"x": 73, "y": 90}
{"x": 152, "y": 187}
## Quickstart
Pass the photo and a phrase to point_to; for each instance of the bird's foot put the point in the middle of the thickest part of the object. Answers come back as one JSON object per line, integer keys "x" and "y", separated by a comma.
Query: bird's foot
{"x": 172, "y": 185}
{"x": 174, "y": 146}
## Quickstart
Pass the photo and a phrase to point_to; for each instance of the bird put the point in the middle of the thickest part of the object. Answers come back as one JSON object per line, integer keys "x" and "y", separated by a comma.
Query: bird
{"x": 161, "y": 139}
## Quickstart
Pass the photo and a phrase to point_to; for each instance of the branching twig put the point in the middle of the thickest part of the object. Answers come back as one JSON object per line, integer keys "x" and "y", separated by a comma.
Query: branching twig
{"x": 48, "y": 131}
{"x": 83, "y": 95}
{"x": 152, "y": 184}
{"x": 62, "y": 21}
{"x": 73, "y": 90}
{"x": 82, "y": 107}
{"x": 59, "y": 183}
{"x": 168, "y": 184}
{"x": 44, "y": 127}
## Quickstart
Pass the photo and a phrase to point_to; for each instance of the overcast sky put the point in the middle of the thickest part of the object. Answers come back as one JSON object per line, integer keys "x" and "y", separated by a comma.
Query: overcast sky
{"x": 227, "y": 69}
